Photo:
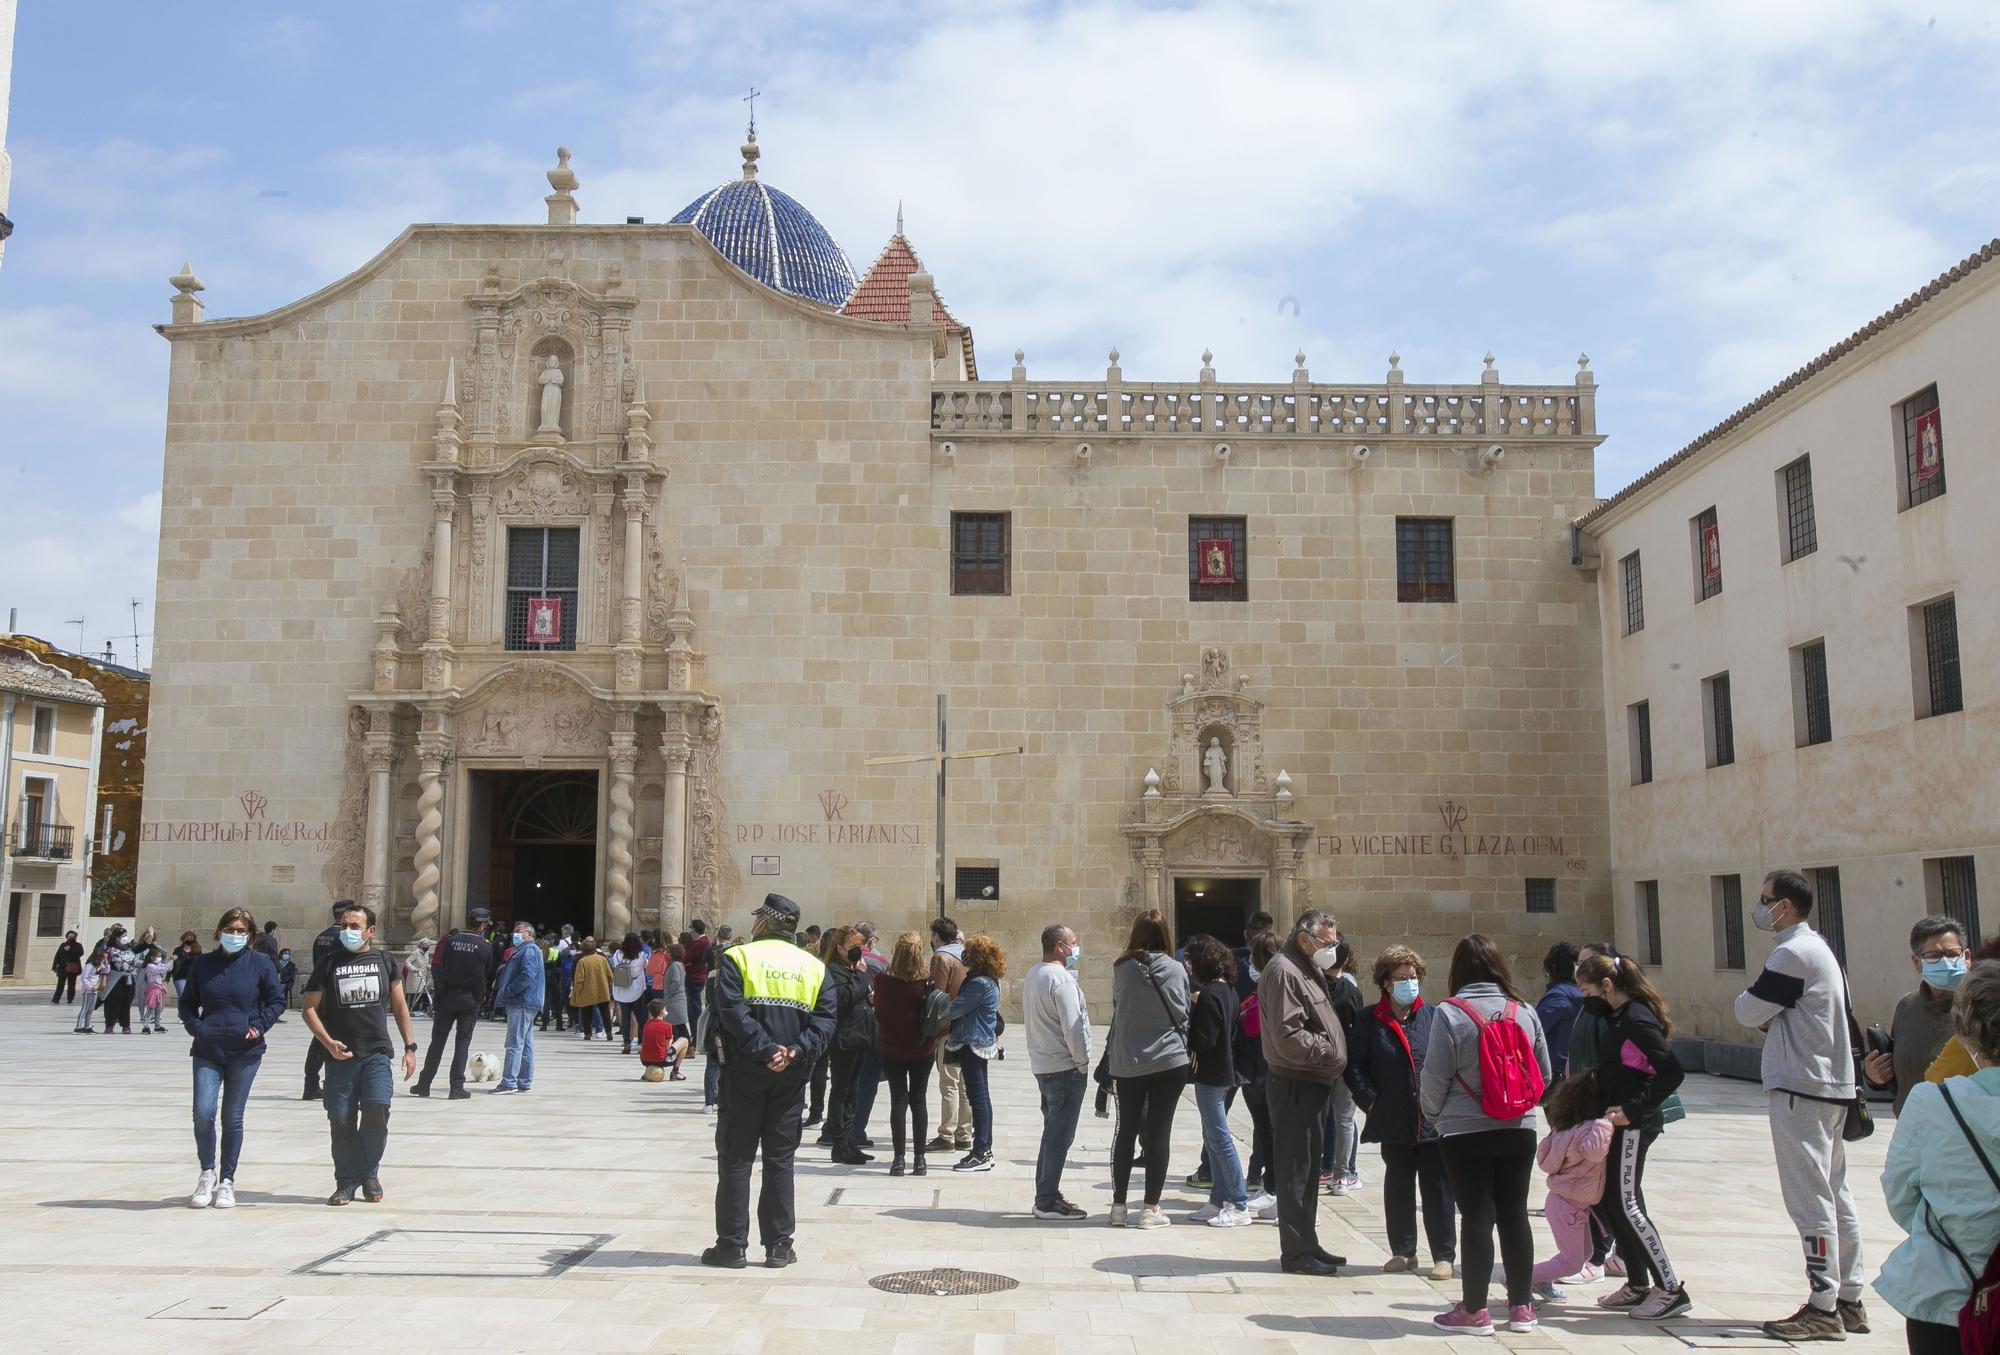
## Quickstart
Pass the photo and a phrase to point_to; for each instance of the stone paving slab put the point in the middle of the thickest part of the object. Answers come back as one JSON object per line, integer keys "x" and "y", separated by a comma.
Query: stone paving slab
{"x": 615, "y": 1178}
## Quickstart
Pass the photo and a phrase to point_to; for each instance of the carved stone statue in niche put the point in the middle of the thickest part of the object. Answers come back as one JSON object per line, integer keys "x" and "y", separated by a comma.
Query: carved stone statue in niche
{"x": 551, "y": 381}
{"x": 1215, "y": 763}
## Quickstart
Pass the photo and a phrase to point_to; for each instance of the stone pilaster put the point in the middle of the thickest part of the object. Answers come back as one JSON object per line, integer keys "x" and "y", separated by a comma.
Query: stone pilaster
{"x": 380, "y": 759}
{"x": 675, "y": 751}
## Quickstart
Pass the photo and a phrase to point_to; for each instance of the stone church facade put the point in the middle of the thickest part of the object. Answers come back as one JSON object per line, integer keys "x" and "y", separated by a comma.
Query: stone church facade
{"x": 580, "y": 570}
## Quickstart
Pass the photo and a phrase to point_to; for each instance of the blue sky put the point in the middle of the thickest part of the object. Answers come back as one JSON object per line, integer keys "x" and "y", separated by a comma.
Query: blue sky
{"x": 1700, "y": 195}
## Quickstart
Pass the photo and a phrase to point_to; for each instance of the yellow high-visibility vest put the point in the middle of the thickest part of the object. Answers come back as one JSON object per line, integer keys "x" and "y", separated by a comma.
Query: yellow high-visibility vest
{"x": 778, "y": 974}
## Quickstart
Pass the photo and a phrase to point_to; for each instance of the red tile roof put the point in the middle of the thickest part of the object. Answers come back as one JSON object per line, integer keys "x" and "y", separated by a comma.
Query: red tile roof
{"x": 884, "y": 294}
{"x": 1965, "y": 268}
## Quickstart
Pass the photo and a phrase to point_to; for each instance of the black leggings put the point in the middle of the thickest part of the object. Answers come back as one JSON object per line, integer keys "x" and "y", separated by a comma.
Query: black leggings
{"x": 1624, "y": 1208}
{"x": 1489, "y": 1173}
{"x": 632, "y": 1019}
{"x": 118, "y": 1006}
{"x": 1930, "y": 1338}
{"x": 1145, "y": 1116}
{"x": 909, "y": 1080}
{"x": 65, "y": 983}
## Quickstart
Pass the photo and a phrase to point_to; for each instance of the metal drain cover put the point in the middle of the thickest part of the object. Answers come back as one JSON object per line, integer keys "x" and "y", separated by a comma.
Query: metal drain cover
{"x": 945, "y": 1282}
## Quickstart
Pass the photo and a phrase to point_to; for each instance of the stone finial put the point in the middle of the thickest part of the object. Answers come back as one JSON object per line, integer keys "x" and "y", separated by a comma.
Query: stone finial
{"x": 1207, "y": 365}
{"x": 1284, "y": 784}
{"x": 563, "y": 180}
{"x": 1020, "y": 372}
{"x": 1489, "y": 376}
{"x": 450, "y": 382}
{"x": 923, "y": 298}
{"x": 446, "y": 438}
{"x": 1584, "y": 376}
{"x": 899, "y": 217}
{"x": 1583, "y": 360}
{"x": 750, "y": 154}
{"x": 1114, "y": 372}
{"x": 1152, "y": 784}
{"x": 1395, "y": 376}
{"x": 187, "y": 306}
{"x": 1299, "y": 373}
{"x": 638, "y": 427}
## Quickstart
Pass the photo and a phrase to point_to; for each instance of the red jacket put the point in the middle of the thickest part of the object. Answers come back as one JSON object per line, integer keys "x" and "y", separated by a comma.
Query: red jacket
{"x": 654, "y": 1037}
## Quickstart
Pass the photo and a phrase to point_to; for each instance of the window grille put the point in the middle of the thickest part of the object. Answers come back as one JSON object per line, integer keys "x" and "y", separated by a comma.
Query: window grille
{"x": 1236, "y": 532}
{"x": 1922, "y": 482}
{"x": 1635, "y": 595}
{"x": 1424, "y": 563}
{"x": 541, "y": 563}
{"x": 1819, "y": 711}
{"x": 1649, "y": 920}
{"x": 1729, "y": 920}
{"x": 1827, "y": 918}
{"x": 1722, "y": 720}
{"x": 1541, "y": 895}
{"x": 972, "y": 882}
{"x": 1941, "y": 656}
{"x": 1801, "y": 530}
{"x": 1958, "y": 892}
{"x": 49, "y": 915}
{"x": 981, "y": 554}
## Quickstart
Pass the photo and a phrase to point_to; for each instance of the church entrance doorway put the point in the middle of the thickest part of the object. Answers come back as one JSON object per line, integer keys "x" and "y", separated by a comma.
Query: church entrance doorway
{"x": 534, "y": 850}
{"x": 1217, "y": 905}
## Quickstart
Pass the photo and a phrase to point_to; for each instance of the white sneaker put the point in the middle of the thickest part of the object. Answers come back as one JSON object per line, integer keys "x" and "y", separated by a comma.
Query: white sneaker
{"x": 225, "y": 1194}
{"x": 204, "y": 1192}
{"x": 1263, "y": 1199}
{"x": 1264, "y": 1211}
{"x": 1587, "y": 1274}
{"x": 1232, "y": 1216}
{"x": 1337, "y": 1186}
{"x": 1352, "y": 1181}
{"x": 1208, "y": 1213}
{"x": 1151, "y": 1217}
{"x": 1121, "y": 1215}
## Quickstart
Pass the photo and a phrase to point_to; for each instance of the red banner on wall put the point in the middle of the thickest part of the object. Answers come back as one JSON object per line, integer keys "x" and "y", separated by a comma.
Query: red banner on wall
{"x": 1215, "y": 560}
{"x": 1929, "y": 434}
{"x": 544, "y": 621}
{"x": 1711, "y": 554}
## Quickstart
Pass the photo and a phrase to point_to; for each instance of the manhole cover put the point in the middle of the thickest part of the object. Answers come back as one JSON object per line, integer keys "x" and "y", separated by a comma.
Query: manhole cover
{"x": 944, "y": 1282}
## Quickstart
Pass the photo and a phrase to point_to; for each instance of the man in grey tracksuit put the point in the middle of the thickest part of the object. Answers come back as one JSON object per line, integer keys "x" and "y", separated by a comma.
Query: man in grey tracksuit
{"x": 1799, "y": 1001}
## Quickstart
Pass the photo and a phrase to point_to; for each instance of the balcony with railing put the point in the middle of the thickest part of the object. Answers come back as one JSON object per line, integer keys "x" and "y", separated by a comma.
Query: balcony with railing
{"x": 41, "y": 841}
{"x": 1206, "y": 408}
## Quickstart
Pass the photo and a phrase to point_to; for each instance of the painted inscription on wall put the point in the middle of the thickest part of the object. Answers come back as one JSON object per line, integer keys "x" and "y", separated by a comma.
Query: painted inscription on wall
{"x": 835, "y": 828}
{"x": 1455, "y": 839}
{"x": 254, "y": 827}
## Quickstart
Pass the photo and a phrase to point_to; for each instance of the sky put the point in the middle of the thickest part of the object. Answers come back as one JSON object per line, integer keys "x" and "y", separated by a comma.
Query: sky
{"x": 1700, "y": 196}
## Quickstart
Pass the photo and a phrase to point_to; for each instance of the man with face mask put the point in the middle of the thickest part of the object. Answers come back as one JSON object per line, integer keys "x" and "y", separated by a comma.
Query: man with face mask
{"x": 1800, "y": 1003}
{"x": 1922, "y": 1022}
{"x": 773, "y": 1016}
{"x": 519, "y": 992}
{"x": 349, "y": 999}
{"x": 1057, "y": 1021}
{"x": 1307, "y": 1053}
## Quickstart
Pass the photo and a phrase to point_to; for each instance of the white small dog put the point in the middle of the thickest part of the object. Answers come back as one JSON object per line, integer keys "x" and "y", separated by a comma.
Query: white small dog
{"x": 483, "y": 1068}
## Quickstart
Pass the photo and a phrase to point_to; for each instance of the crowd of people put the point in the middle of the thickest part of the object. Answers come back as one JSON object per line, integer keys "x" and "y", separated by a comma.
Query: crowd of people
{"x": 797, "y": 1029}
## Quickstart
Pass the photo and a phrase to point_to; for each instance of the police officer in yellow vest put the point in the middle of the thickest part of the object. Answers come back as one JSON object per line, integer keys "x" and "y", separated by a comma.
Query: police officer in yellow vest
{"x": 774, "y": 1016}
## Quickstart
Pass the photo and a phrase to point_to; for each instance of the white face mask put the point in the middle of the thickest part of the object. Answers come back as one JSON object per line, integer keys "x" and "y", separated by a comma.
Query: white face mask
{"x": 1326, "y": 957}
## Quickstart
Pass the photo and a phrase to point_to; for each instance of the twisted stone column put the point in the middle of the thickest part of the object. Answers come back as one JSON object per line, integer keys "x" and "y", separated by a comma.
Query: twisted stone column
{"x": 430, "y": 836}
{"x": 618, "y": 839}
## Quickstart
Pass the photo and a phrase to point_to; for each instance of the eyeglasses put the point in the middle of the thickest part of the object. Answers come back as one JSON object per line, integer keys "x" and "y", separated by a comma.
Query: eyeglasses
{"x": 1768, "y": 901}
{"x": 1933, "y": 956}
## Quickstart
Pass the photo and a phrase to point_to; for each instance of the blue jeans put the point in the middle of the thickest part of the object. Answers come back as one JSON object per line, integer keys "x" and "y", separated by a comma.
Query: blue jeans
{"x": 1341, "y": 1139}
{"x": 356, "y": 1093}
{"x": 1062, "y": 1103}
{"x": 1225, "y": 1169}
{"x": 711, "y": 1079}
{"x": 520, "y": 1067}
{"x": 976, "y": 1092}
{"x": 223, "y": 1086}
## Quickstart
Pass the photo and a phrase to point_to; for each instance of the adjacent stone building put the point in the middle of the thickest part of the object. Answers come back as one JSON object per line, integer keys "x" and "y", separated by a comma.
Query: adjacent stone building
{"x": 1801, "y": 639}
{"x": 580, "y": 570}
{"x": 51, "y": 725}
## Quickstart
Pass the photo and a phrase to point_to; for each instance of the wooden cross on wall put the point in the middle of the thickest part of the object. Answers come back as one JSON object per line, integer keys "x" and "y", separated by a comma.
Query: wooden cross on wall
{"x": 942, "y": 758}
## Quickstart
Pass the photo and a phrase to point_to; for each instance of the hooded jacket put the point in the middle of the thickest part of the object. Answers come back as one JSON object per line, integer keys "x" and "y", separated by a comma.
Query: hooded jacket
{"x": 1146, "y": 1024}
{"x": 1574, "y": 1160}
{"x": 1450, "y": 1084}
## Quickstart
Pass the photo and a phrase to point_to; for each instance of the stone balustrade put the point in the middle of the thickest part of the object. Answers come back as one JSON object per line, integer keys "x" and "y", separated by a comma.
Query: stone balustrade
{"x": 1348, "y": 413}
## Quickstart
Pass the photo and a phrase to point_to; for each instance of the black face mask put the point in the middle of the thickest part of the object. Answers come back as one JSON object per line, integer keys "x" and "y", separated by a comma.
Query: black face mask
{"x": 1597, "y": 1006}
{"x": 853, "y": 954}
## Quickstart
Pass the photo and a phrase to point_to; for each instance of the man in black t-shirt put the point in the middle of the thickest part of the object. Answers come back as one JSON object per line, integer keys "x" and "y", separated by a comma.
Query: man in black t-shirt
{"x": 462, "y": 967}
{"x": 349, "y": 1000}
{"x": 325, "y": 944}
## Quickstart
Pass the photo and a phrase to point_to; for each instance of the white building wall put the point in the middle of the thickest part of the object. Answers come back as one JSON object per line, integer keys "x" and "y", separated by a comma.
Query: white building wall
{"x": 1890, "y": 790}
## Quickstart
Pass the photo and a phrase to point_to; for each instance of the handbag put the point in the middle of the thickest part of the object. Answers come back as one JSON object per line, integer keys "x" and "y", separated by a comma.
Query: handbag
{"x": 1979, "y": 1317}
{"x": 1860, "y": 1123}
{"x": 1193, "y": 1060}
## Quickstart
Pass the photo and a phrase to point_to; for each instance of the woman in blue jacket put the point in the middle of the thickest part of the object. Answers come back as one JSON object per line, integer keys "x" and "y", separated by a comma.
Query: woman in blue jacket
{"x": 974, "y": 1038}
{"x": 232, "y": 996}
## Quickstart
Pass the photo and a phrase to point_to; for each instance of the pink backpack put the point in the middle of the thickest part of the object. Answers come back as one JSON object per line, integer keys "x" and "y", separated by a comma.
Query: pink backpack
{"x": 1510, "y": 1077}
{"x": 1248, "y": 1018}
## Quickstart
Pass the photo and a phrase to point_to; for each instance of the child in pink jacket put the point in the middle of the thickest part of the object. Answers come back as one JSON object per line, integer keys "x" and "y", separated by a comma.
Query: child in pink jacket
{"x": 1573, "y": 1157}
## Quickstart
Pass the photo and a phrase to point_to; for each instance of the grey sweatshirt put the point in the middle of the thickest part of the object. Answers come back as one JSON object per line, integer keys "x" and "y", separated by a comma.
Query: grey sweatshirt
{"x": 1056, "y": 1020}
{"x": 1800, "y": 1001}
{"x": 1450, "y": 1085}
{"x": 1145, "y": 1032}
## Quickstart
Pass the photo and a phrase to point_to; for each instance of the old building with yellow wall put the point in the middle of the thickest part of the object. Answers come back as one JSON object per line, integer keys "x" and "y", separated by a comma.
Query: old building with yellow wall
{"x": 51, "y": 725}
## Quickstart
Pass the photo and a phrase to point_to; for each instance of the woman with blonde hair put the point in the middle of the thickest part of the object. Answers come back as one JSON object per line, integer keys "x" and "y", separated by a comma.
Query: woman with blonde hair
{"x": 907, "y": 1053}
{"x": 974, "y": 1039}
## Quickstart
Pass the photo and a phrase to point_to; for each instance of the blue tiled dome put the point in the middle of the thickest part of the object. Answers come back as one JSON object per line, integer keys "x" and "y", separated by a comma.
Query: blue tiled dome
{"x": 771, "y": 237}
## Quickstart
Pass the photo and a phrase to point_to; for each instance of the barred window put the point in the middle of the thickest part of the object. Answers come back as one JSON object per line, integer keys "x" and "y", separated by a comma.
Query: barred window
{"x": 1424, "y": 565}
{"x": 1940, "y": 626}
{"x": 1541, "y": 895}
{"x": 1814, "y": 709}
{"x": 49, "y": 911}
{"x": 973, "y": 882}
{"x": 1635, "y": 595}
{"x": 541, "y": 564}
{"x": 1234, "y": 531}
{"x": 1923, "y": 448}
{"x": 1640, "y": 723}
{"x": 1956, "y": 892}
{"x": 1801, "y": 530}
{"x": 1707, "y": 555}
{"x": 1720, "y": 721}
{"x": 1649, "y": 921}
{"x": 1826, "y": 915}
{"x": 1728, "y": 890}
{"x": 981, "y": 554}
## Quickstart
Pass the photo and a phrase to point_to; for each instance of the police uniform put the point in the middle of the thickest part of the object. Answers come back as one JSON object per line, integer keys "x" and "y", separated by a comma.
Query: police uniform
{"x": 326, "y": 944}
{"x": 461, "y": 969}
{"x": 769, "y": 995}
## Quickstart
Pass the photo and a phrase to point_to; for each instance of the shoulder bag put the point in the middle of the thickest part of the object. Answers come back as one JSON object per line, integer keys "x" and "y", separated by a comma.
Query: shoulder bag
{"x": 1180, "y": 1029}
{"x": 1979, "y": 1318}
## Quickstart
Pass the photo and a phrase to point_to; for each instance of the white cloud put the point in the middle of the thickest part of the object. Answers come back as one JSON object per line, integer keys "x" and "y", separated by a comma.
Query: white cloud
{"x": 291, "y": 42}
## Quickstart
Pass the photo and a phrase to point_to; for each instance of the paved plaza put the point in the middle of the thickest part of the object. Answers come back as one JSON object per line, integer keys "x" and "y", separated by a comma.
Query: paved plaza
{"x": 570, "y": 1219}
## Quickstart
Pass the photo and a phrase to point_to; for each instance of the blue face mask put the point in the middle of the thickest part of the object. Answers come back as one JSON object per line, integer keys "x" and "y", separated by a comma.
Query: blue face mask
{"x": 1945, "y": 973}
{"x": 1069, "y": 960}
{"x": 1405, "y": 991}
{"x": 234, "y": 941}
{"x": 352, "y": 939}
